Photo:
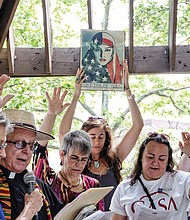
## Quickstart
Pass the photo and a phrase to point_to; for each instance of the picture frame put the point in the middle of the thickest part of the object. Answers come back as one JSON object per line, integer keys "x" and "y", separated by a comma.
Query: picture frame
{"x": 101, "y": 57}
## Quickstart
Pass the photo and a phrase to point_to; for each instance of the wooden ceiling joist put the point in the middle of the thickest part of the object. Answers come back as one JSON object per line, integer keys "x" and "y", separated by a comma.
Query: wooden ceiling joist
{"x": 172, "y": 34}
{"x": 7, "y": 12}
{"x": 147, "y": 60}
{"x": 47, "y": 35}
{"x": 131, "y": 37}
{"x": 11, "y": 50}
{"x": 21, "y": 62}
{"x": 89, "y": 7}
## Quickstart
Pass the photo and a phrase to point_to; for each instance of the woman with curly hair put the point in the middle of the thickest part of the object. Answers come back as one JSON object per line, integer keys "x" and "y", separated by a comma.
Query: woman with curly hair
{"x": 154, "y": 189}
{"x": 105, "y": 159}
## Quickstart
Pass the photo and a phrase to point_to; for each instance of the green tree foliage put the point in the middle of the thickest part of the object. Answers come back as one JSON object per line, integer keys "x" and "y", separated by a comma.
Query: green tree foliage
{"x": 158, "y": 96}
{"x": 28, "y": 24}
{"x": 151, "y": 22}
{"x": 64, "y": 13}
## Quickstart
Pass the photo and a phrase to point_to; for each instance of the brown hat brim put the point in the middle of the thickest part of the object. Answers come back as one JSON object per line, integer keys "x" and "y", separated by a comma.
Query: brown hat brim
{"x": 40, "y": 136}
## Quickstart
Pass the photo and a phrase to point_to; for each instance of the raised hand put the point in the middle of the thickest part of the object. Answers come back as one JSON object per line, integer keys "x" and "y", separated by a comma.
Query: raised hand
{"x": 185, "y": 145}
{"x": 3, "y": 100}
{"x": 56, "y": 104}
{"x": 80, "y": 77}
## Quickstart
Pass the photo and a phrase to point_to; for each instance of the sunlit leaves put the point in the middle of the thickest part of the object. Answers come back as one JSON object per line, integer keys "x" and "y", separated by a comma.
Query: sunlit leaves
{"x": 151, "y": 22}
{"x": 150, "y": 27}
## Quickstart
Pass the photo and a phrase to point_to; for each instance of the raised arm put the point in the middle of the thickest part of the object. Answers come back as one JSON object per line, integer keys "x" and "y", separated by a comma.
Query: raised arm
{"x": 184, "y": 163}
{"x": 55, "y": 106}
{"x": 67, "y": 119}
{"x": 40, "y": 160}
{"x": 3, "y": 100}
{"x": 130, "y": 138}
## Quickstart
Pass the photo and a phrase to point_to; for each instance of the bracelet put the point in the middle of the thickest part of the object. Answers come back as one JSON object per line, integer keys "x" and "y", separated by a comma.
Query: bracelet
{"x": 126, "y": 88}
{"x": 186, "y": 155}
{"x": 132, "y": 96}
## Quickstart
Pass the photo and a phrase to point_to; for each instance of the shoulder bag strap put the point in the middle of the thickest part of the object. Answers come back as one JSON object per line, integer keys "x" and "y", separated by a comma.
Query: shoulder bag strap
{"x": 146, "y": 191}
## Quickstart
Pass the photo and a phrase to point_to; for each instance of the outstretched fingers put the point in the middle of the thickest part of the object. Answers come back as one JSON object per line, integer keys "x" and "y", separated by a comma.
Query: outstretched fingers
{"x": 80, "y": 76}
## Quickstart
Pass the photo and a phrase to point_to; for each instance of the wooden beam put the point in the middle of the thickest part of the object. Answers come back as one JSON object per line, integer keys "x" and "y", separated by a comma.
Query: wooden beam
{"x": 172, "y": 34}
{"x": 151, "y": 59}
{"x": 147, "y": 60}
{"x": 131, "y": 37}
{"x": 10, "y": 50}
{"x": 89, "y": 7}
{"x": 7, "y": 12}
{"x": 182, "y": 58}
{"x": 47, "y": 35}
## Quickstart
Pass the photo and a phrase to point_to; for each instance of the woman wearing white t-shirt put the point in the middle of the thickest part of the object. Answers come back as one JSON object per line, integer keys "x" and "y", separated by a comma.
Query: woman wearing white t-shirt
{"x": 154, "y": 189}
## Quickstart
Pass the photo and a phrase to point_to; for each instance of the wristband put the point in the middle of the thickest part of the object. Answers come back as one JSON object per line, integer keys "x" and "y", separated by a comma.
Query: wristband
{"x": 132, "y": 96}
{"x": 186, "y": 155}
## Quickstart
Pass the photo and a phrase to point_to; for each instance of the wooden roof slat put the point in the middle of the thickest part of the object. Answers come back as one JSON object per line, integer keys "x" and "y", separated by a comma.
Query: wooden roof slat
{"x": 47, "y": 35}
{"x": 131, "y": 37}
{"x": 7, "y": 12}
{"x": 89, "y": 5}
{"x": 147, "y": 60}
{"x": 22, "y": 62}
{"x": 11, "y": 50}
{"x": 172, "y": 34}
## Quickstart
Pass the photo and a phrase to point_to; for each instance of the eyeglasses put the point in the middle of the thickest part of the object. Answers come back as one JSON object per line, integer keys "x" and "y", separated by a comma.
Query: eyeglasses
{"x": 3, "y": 145}
{"x": 161, "y": 135}
{"x": 75, "y": 159}
{"x": 23, "y": 144}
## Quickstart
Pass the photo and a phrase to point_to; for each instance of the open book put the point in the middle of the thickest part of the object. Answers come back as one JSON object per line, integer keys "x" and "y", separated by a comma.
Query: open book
{"x": 89, "y": 197}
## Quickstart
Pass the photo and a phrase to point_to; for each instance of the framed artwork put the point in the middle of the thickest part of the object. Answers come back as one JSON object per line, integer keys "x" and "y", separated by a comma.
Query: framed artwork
{"x": 102, "y": 55}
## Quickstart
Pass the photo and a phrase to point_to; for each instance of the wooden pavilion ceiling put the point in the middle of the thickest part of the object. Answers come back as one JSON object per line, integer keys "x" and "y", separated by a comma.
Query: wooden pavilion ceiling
{"x": 44, "y": 61}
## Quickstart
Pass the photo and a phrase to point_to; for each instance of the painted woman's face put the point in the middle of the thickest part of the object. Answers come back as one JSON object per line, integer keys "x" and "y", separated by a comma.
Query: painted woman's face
{"x": 103, "y": 54}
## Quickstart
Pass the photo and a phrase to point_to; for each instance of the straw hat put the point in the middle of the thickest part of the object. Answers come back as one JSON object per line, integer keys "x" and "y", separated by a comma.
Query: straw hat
{"x": 25, "y": 120}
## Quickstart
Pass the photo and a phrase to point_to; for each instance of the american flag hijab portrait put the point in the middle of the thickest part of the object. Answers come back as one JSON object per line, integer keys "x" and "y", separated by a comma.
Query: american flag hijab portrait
{"x": 101, "y": 63}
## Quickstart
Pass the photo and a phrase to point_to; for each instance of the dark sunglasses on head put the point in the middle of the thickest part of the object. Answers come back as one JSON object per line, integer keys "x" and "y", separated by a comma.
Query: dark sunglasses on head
{"x": 23, "y": 144}
{"x": 100, "y": 118}
{"x": 157, "y": 135}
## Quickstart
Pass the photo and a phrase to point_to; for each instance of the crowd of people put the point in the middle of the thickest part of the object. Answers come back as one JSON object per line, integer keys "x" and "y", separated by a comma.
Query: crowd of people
{"x": 105, "y": 159}
{"x": 88, "y": 158}
{"x": 18, "y": 134}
